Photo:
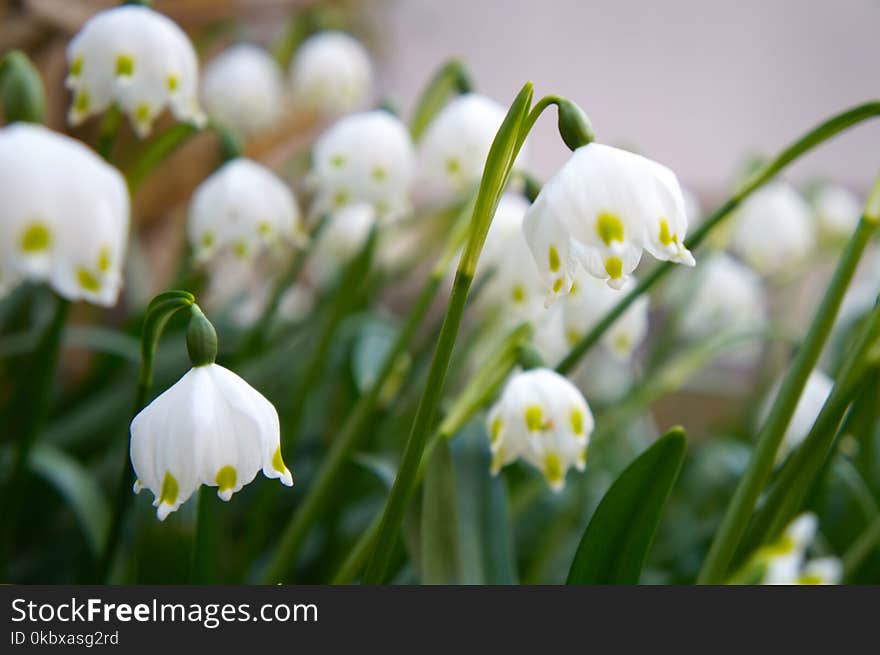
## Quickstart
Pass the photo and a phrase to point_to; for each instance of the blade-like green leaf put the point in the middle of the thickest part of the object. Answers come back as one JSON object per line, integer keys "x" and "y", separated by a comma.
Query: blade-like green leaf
{"x": 79, "y": 489}
{"x": 441, "y": 558}
{"x": 619, "y": 536}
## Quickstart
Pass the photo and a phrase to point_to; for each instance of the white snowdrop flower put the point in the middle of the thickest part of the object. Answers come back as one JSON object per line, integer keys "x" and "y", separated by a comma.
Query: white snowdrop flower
{"x": 64, "y": 215}
{"x": 773, "y": 230}
{"x": 242, "y": 208}
{"x": 364, "y": 158}
{"x": 515, "y": 287}
{"x": 243, "y": 89}
{"x": 601, "y": 210}
{"x": 331, "y": 74}
{"x": 140, "y": 60}
{"x": 543, "y": 418}
{"x": 821, "y": 571}
{"x": 814, "y": 395}
{"x": 837, "y": 210}
{"x": 211, "y": 427}
{"x": 587, "y": 302}
{"x": 453, "y": 150}
{"x": 783, "y": 559}
{"x": 728, "y": 296}
{"x": 341, "y": 239}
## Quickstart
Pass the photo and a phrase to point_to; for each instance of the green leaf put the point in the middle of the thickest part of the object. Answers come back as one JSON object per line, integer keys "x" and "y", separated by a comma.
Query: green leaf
{"x": 78, "y": 487}
{"x": 441, "y": 559}
{"x": 617, "y": 540}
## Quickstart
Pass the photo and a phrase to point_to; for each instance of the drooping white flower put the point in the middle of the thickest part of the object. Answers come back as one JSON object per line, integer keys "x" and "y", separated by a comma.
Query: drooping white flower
{"x": 64, "y": 215}
{"x": 837, "y": 210}
{"x": 543, "y": 418}
{"x": 773, "y": 231}
{"x": 814, "y": 395}
{"x": 728, "y": 296}
{"x": 140, "y": 60}
{"x": 783, "y": 560}
{"x": 453, "y": 150}
{"x": 601, "y": 210}
{"x": 515, "y": 288}
{"x": 364, "y": 158}
{"x": 210, "y": 428}
{"x": 332, "y": 74}
{"x": 243, "y": 89}
{"x": 244, "y": 208}
{"x": 341, "y": 239}
{"x": 587, "y": 302}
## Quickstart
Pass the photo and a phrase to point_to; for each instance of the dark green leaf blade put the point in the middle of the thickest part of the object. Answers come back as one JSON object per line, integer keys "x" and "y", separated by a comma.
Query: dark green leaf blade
{"x": 617, "y": 540}
{"x": 441, "y": 559}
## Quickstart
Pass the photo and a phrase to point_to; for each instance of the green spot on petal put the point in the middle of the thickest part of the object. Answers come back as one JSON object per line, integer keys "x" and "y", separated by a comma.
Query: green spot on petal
{"x": 169, "y": 491}
{"x": 553, "y": 469}
{"x": 665, "y": 235}
{"x": 124, "y": 66}
{"x": 379, "y": 174}
{"x": 614, "y": 267}
{"x": 76, "y": 67}
{"x": 609, "y": 227}
{"x": 208, "y": 239}
{"x": 519, "y": 294}
{"x": 173, "y": 83}
{"x": 495, "y": 429}
{"x": 87, "y": 280}
{"x": 554, "y": 259}
{"x": 278, "y": 462}
{"x": 226, "y": 478}
{"x": 557, "y": 286}
{"x": 81, "y": 103}
{"x": 577, "y": 421}
{"x": 36, "y": 238}
{"x": 104, "y": 259}
{"x": 534, "y": 418}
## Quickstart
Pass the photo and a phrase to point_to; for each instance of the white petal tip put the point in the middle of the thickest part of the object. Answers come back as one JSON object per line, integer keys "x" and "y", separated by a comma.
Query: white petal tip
{"x": 224, "y": 494}
{"x": 164, "y": 510}
{"x": 616, "y": 283}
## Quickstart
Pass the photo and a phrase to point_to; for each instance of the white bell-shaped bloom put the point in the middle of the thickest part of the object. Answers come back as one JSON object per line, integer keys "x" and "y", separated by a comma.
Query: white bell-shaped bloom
{"x": 243, "y": 208}
{"x": 601, "y": 210}
{"x": 331, "y": 74}
{"x": 453, "y": 150}
{"x": 340, "y": 240}
{"x": 773, "y": 230}
{"x": 814, "y": 395}
{"x": 728, "y": 296}
{"x": 243, "y": 89}
{"x": 543, "y": 418}
{"x": 515, "y": 287}
{"x": 783, "y": 559}
{"x": 837, "y": 211}
{"x": 210, "y": 428}
{"x": 821, "y": 571}
{"x": 64, "y": 215}
{"x": 140, "y": 60}
{"x": 364, "y": 158}
{"x": 587, "y": 302}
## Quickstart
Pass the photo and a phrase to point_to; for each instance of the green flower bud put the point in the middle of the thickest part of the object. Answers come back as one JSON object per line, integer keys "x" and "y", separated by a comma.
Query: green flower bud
{"x": 201, "y": 338}
{"x": 574, "y": 126}
{"x": 21, "y": 89}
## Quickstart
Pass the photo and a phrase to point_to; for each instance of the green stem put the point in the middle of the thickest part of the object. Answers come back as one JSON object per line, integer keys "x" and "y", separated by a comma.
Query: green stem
{"x": 495, "y": 175}
{"x": 735, "y": 521}
{"x": 352, "y": 280}
{"x": 203, "y": 565}
{"x": 107, "y": 134}
{"x": 862, "y": 548}
{"x": 156, "y": 151}
{"x": 254, "y": 339}
{"x": 451, "y": 78}
{"x": 159, "y": 312}
{"x": 818, "y": 135}
{"x": 32, "y": 406}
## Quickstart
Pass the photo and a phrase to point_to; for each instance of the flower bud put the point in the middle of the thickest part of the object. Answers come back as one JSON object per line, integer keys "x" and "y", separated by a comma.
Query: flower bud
{"x": 543, "y": 418}
{"x": 22, "y": 90}
{"x": 574, "y": 126}
{"x": 201, "y": 338}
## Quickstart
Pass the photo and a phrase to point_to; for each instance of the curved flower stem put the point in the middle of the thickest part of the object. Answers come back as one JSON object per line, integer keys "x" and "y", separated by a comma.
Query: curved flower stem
{"x": 255, "y": 337}
{"x": 499, "y": 164}
{"x": 32, "y": 408}
{"x": 159, "y": 312}
{"x": 346, "y": 293}
{"x": 355, "y": 425}
{"x": 451, "y": 78}
{"x": 818, "y": 135}
{"x": 479, "y": 391}
{"x": 736, "y": 519}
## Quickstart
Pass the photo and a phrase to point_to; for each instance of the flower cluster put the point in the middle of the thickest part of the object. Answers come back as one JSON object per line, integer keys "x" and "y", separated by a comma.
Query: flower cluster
{"x": 64, "y": 217}
{"x": 783, "y": 562}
